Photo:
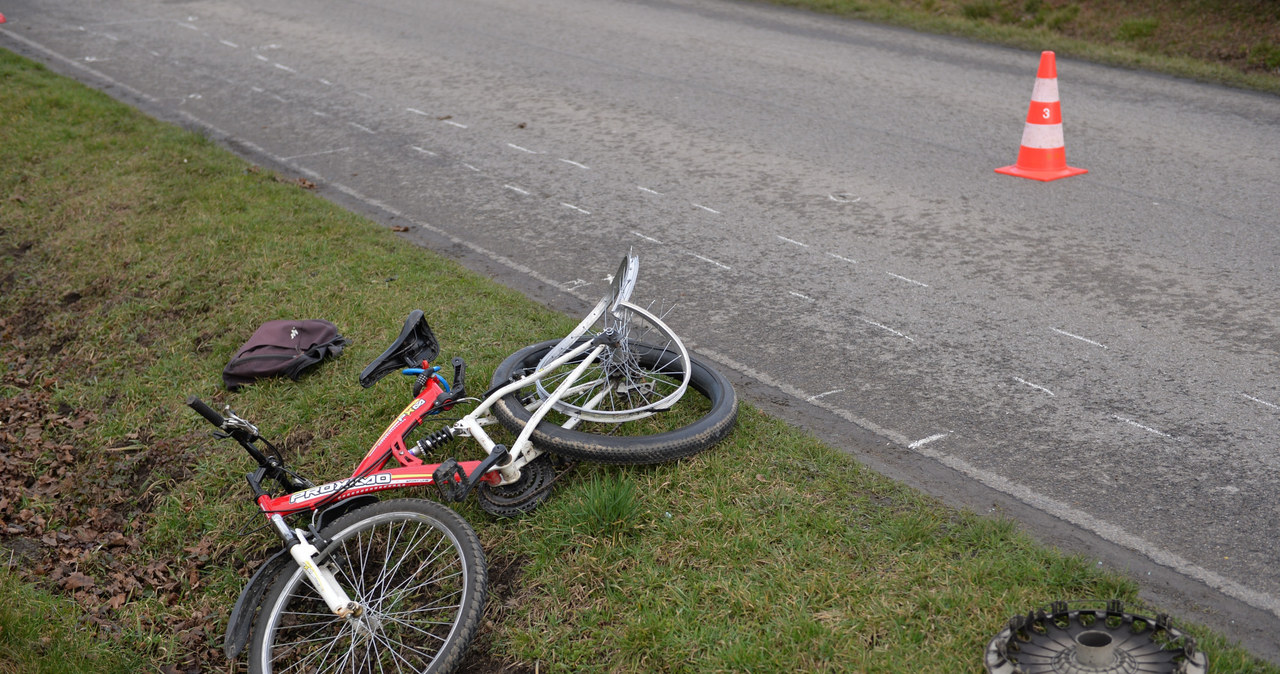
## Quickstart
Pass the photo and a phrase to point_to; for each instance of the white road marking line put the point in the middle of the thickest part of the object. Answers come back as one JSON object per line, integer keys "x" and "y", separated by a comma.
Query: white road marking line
{"x": 1083, "y": 339}
{"x": 1261, "y": 402}
{"x": 314, "y": 154}
{"x": 803, "y": 297}
{"x": 522, "y": 149}
{"x": 1020, "y": 380}
{"x": 842, "y": 258}
{"x": 924, "y": 441}
{"x": 647, "y": 238}
{"x": 582, "y": 211}
{"x": 792, "y": 241}
{"x": 815, "y": 397}
{"x": 707, "y": 259}
{"x": 707, "y": 209}
{"x": 574, "y": 163}
{"x": 646, "y": 189}
{"x": 513, "y": 188}
{"x": 424, "y": 151}
{"x": 450, "y": 122}
{"x": 903, "y": 278}
{"x": 284, "y": 67}
{"x": 417, "y": 112}
{"x": 1131, "y": 422}
{"x": 885, "y": 327}
{"x": 361, "y": 127}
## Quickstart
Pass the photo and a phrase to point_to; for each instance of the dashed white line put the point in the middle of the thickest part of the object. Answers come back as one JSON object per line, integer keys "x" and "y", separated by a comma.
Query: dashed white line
{"x": 1083, "y": 339}
{"x": 1131, "y": 422}
{"x": 647, "y": 238}
{"x": 707, "y": 209}
{"x": 886, "y": 328}
{"x": 802, "y": 296}
{"x": 924, "y": 441}
{"x": 1038, "y": 387}
{"x": 571, "y": 206}
{"x": 792, "y": 241}
{"x": 827, "y": 393}
{"x": 646, "y": 189}
{"x": 1261, "y": 402}
{"x": 513, "y": 188}
{"x": 424, "y": 151}
{"x": 314, "y": 154}
{"x": 843, "y": 258}
{"x": 574, "y": 163}
{"x": 361, "y": 127}
{"x": 707, "y": 259}
{"x": 522, "y": 149}
{"x": 908, "y": 280}
{"x": 450, "y": 122}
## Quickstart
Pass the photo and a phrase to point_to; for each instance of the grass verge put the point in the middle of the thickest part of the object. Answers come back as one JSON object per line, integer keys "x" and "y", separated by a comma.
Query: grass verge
{"x": 1232, "y": 42}
{"x": 135, "y": 258}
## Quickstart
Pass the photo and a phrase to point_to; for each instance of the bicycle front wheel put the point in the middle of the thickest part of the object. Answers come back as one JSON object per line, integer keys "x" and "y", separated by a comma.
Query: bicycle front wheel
{"x": 686, "y": 425}
{"x": 418, "y": 572}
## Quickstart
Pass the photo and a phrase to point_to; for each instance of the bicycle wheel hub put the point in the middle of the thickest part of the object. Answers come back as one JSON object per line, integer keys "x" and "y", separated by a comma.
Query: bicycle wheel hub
{"x": 1092, "y": 638}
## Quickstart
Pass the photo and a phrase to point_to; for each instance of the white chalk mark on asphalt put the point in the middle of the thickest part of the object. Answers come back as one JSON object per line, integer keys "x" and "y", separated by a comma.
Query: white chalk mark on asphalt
{"x": 424, "y": 151}
{"x": 325, "y": 82}
{"x": 230, "y": 44}
{"x": 574, "y": 163}
{"x": 707, "y": 209}
{"x": 1086, "y": 340}
{"x": 803, "y": 297}
{"x": 571, "y": 206}
{"x": 792, "y": 241}
{"x": 513, "y": 188}
{"x": 319, "y": 113}
{"x": 924, "y": 441}
{"x": 1038, "y": 387}
{"x": 886, "y": 328}
{"x": 647, "y": 238}
{"x": 707, "y": 259}
{"x": 417, "y": 112}
{"x": 472, "y": 168}
{"x": 284, "y": 67}
{"x": 646, "y": 189}
{"x": 262, "y": 58}
{"x": 361, "y": 127}
{"x": 903, "y": 278}
{"x": 843, "y": 258}
{"x": 827, "y": 393}
{"x": 450, "y": 122}
{"x": 522, "y": 149}
{"x": 187, "y": 25}
{"x": 1149, "y": 429}
{"x": 1261, "y": 402}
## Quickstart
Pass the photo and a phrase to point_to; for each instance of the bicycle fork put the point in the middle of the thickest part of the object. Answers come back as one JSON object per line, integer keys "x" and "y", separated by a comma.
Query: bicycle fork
{"x": 321, "y": 577}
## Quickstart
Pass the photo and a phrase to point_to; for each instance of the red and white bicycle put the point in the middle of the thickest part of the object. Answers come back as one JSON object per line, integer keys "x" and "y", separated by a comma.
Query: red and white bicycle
{"x": 363, "y": 584}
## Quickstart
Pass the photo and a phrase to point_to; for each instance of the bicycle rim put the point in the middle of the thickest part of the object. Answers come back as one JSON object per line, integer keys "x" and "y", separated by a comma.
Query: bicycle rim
{"x": 417, "y": 570}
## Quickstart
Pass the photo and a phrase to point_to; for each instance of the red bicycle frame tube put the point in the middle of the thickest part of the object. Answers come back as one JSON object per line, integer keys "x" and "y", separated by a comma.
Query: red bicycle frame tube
{"x": 373, "y": 473}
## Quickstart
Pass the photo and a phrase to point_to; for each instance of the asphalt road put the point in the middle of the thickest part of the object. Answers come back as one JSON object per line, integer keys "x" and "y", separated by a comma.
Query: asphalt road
{"x": 816, "y": 201}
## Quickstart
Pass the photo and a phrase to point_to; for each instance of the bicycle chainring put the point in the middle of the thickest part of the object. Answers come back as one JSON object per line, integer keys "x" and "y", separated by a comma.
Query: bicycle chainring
{"x": 523, "y": 495}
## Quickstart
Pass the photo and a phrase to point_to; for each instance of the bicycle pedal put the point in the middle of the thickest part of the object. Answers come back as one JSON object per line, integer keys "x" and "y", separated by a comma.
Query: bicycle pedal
{"x": 450, "y": 481}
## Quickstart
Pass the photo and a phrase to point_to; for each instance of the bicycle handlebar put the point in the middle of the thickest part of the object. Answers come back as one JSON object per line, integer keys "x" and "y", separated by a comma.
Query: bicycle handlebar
{"x": 206, "y": 411}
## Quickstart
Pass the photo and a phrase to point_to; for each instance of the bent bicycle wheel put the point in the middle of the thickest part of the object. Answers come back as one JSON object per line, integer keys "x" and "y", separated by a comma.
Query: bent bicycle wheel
{"x": 694, "y": 421}
{"x": 417, "y": 570}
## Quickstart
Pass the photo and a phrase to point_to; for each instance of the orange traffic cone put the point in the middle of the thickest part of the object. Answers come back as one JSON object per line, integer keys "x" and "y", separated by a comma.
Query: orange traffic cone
{"x": 1043, "y": 154}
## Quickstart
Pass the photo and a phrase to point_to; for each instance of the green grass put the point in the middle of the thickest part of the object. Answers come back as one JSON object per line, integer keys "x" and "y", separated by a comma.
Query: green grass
{"x": 1232, "y": 42}
{"x": 136, "y": 257}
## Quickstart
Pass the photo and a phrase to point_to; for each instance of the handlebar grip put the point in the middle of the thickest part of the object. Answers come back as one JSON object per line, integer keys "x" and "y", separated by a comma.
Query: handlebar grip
{"x": 205, "y": 411}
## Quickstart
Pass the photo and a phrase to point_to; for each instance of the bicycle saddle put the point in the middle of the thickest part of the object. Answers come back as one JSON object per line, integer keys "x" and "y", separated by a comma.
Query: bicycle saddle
{"x": 415, "y": 344}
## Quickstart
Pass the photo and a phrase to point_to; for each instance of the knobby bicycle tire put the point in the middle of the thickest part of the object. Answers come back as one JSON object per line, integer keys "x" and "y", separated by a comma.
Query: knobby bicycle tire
{"x": 417, "y": 569}
{"x": 706, "y": 430}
